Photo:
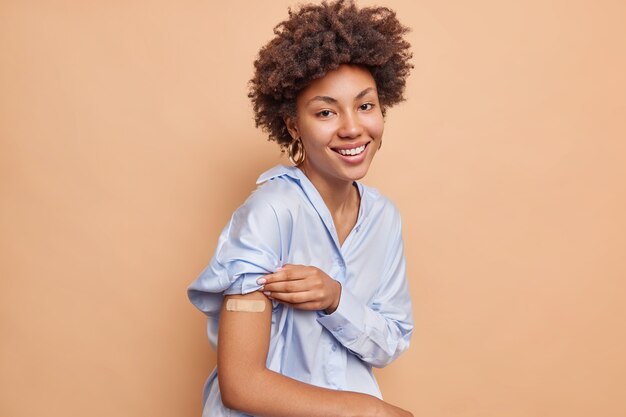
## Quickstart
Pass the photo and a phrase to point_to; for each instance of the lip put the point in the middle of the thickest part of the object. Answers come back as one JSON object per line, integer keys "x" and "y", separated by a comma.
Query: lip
{"x": 350, "y": 146}
{"x": 352, "y": 159}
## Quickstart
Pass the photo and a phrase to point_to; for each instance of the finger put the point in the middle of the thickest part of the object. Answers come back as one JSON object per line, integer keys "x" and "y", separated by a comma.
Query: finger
{"x": 291, "y": 266}
{"x": 311, "y": 305}
{"x": 292, "y": 297}
{"x": 288, "y": 286}
{"x": 277, "y": 276}
{"x": 292, "y": 273}
{"x": 297, "y": 271}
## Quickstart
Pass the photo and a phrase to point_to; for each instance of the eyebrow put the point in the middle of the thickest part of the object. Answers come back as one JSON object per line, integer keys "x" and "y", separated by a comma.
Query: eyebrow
{"x": 330, "y": 100}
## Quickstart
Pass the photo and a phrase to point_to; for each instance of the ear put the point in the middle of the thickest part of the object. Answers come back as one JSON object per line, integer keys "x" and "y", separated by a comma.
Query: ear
{"x": 292, "y": 127}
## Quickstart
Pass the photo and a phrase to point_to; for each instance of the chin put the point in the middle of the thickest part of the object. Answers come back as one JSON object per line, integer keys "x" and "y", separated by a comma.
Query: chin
{"x": 356, "y": 173}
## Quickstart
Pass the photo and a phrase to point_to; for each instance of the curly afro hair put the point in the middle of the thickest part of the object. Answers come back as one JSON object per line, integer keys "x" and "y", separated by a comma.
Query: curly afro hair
{"x": 317, "y": 39}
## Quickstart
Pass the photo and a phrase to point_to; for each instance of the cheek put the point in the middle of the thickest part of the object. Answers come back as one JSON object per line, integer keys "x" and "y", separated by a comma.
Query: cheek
{"x": 376, "y": 127}
{"x": 316, "y": 135}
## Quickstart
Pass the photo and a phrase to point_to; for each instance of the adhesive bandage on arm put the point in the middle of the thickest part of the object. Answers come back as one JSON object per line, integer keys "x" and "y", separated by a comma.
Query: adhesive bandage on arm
{"x": 249, "y": 306}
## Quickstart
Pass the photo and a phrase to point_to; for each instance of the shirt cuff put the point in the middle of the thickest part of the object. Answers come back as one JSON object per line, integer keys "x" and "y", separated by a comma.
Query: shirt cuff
{"x": 347, "y": 323}
{"x": 245, "y": 284}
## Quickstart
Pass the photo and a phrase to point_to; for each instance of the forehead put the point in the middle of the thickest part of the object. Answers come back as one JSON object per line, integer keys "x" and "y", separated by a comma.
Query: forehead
{"x": 343, "y": 83}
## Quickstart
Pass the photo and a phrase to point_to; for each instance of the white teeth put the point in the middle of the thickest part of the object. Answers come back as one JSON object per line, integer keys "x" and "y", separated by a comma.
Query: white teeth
{"x": 352, "y": 152}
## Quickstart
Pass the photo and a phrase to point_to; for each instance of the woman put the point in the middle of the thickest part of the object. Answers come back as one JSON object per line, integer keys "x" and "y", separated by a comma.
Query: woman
{"x": 307, "y": 288}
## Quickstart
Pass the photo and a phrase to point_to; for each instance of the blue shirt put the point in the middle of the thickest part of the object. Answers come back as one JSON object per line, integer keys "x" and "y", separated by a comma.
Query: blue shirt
{"x": 285, "y": 221}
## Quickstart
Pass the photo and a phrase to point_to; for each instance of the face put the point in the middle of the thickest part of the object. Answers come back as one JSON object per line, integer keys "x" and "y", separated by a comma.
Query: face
{"x": 340, "y": 121}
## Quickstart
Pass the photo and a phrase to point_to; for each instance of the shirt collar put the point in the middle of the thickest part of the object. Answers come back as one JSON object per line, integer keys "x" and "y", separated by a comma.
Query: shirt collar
{"x": 280, "y": 170}
{"x": 367, "y": 194}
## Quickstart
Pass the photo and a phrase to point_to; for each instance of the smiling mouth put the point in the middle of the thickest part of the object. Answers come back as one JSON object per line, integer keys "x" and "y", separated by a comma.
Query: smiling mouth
{"x": 353, "y": 151}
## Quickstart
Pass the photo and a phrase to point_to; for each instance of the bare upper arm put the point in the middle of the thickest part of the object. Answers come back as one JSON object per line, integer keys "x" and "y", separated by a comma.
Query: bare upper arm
{"x": 243, "y": 340}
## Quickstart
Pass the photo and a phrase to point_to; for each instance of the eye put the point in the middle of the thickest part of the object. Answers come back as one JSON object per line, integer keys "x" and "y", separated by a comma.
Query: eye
{"x": 324, "y": 113}
{"x": 366, "y": 106}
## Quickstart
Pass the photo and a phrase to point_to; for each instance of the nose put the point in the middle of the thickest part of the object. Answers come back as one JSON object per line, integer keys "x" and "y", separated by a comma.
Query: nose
{"x": 351, "y": 126}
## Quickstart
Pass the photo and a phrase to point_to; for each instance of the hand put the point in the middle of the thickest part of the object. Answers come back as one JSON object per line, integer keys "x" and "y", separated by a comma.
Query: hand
{"x": 302, "y": 287}
{"x": 389, "y": 410}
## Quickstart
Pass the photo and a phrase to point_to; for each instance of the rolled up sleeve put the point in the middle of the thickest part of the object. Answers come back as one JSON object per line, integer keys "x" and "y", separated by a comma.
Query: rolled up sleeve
{"x": 248, "y": 247}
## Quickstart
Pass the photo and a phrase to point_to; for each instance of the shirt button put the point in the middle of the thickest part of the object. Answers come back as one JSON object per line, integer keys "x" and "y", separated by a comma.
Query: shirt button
{"x": 333, "y": 348}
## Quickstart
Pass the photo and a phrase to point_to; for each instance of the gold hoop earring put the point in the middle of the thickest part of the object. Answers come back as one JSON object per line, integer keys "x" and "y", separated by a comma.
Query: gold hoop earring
{"x": 296, "y": 152}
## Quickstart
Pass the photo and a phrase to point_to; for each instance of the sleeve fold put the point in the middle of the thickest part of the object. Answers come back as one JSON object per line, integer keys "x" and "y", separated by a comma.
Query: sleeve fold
{"x": 248, "y": 247}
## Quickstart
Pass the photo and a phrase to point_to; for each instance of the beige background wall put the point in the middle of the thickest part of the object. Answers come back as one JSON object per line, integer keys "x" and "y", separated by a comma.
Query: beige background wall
{"x": 127, "y": 140}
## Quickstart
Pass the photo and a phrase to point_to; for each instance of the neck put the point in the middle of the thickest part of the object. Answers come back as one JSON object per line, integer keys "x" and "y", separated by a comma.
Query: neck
{"x": 338, "y": 195}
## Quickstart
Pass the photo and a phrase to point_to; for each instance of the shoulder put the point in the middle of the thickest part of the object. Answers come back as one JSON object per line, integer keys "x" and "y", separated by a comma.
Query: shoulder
{"x": 278, "y": 188}
{"x": 381, "y": 217}
{"x": 379, "y": 205}
{"x": 277, "y": 192}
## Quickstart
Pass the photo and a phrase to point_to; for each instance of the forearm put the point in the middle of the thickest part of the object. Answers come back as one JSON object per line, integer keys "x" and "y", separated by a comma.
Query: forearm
{"x": 376, "y": 337}
{"x": 265, "y": 393}
{"x": 247, "y": 385}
